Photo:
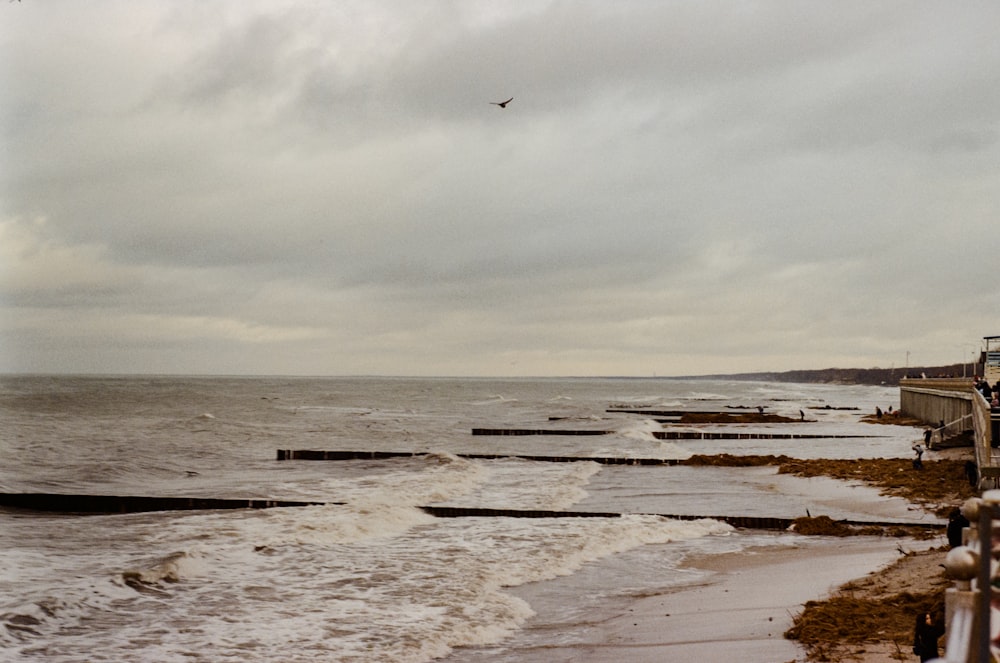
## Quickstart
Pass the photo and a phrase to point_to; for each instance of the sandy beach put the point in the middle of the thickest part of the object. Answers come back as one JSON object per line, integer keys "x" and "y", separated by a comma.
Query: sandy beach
{"x": 740, "y": 612}
{"x": 742, "y": 609}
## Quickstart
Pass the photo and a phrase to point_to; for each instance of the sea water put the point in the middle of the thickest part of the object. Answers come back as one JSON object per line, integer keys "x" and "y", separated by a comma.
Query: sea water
{"x": 373, "y": 577}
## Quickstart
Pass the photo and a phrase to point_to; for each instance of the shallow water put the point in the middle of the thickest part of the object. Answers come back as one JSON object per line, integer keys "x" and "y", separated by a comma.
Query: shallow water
{"x": 376, "y": 579}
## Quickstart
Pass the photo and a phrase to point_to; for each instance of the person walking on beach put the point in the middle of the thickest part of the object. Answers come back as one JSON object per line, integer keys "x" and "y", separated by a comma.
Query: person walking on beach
{"x": 925, "y": 636}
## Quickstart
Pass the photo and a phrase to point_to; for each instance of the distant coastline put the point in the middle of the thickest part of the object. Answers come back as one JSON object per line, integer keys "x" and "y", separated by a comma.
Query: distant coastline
{"x": 871, "y": 376}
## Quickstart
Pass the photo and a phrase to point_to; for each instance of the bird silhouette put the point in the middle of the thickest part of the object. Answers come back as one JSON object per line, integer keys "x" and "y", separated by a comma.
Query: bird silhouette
{"x": 502, "y": 104}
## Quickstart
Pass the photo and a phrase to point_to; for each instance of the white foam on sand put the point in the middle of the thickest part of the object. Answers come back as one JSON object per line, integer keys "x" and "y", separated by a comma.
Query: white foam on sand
{"x": 738, "y": 610}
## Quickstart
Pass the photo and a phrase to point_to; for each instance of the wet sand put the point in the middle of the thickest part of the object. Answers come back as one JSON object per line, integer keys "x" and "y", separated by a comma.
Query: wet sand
{"x": 743, "y": 610}
{"x": 738, "y": 613}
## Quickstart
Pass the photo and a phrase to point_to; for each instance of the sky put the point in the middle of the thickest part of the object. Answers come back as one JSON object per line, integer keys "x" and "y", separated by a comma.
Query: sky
{"x": 324, "y": 188}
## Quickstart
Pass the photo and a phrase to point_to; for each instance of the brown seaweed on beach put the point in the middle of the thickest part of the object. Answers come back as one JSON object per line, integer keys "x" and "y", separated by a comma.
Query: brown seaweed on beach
{"x": 939, "y": 486}
{"x": 827, "y": 526}
{"x": 734, "y": 418}
{"x": 732, "y": 460}
{"x": 825, "y": 625}
{"x": 897, "y": 418}
{"x": 824, "y": 526}
{"x": 877, "y": 609}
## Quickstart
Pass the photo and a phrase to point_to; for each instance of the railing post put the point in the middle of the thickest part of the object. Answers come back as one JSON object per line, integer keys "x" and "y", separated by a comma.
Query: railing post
{"x": 988, "y": 511}
{"x": 961, "y": 564}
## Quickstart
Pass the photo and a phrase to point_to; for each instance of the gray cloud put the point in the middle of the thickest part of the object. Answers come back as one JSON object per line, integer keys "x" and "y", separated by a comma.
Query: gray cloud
{"x": 291, "y": 187}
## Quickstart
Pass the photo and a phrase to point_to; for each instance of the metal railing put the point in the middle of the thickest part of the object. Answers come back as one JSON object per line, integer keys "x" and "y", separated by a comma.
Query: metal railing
{"x": 969, "y": 603}
{"x": 989, "y": 468}
{"x": 952, "y": 429}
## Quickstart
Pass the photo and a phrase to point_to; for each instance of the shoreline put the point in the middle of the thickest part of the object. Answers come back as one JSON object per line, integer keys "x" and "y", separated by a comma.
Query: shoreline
{"x": 740, "y": 611}
{"x": 744, "y": 608}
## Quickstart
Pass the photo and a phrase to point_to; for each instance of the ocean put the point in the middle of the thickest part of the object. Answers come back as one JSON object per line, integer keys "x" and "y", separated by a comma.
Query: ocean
{"x": 375, "y": 578}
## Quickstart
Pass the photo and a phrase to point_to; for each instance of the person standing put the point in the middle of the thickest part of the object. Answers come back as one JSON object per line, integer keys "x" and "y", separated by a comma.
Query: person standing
{"x": 925, "y": 636}
{"x": 956, "y": 524}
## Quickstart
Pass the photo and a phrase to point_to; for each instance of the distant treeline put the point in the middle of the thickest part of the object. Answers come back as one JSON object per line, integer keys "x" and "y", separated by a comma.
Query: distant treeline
{"x": 890, "y": 376}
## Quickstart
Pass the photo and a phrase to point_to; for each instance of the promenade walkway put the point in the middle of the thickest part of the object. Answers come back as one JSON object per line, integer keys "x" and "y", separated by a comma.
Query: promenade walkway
{"x": 955, "y": 403}
{"x": 952, "y": 406}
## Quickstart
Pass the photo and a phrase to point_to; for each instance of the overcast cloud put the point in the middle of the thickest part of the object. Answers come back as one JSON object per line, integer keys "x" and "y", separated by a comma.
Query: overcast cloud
{"x": 254, "y": 187}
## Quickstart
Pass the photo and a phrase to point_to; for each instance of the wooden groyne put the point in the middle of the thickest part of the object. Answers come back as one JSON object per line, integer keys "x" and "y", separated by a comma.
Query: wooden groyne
{"x": 666, "y": 413}
{"x": 121, "y": 504}
{"x": 537, "y": 431}
{"x": 706, "y": 435}
{"x": 740, "y": 522}
{"x": 311, "y": 454}
{"x": 63, "y": 503}
{"x": 665, "y": 435}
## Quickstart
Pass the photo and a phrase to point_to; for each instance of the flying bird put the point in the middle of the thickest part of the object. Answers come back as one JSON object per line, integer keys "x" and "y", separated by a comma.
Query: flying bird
{"x": 502, "y": 104}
